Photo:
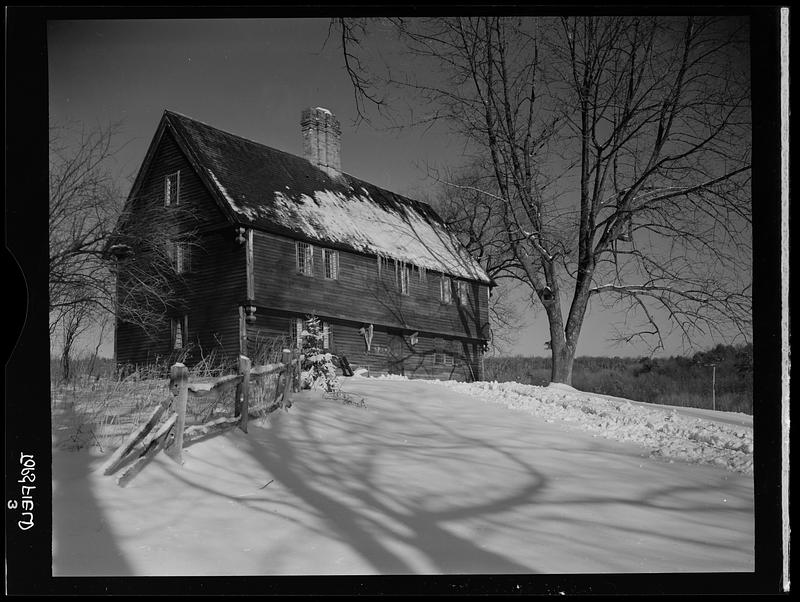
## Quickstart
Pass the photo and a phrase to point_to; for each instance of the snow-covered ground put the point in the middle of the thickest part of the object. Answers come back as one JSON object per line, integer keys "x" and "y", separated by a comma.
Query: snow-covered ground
{"x": 428, "y": 478}
{"x": 691, "y": 434}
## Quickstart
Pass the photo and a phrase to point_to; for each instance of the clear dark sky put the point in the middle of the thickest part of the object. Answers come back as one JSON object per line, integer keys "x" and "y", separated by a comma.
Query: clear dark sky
{"x": 252, "y": 78}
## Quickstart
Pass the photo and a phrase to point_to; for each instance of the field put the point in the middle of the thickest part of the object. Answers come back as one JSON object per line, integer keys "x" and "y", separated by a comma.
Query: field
{"x": 676, "y": 381}
{"x": 425, "y": 478}
{"x": 97, "y": 407}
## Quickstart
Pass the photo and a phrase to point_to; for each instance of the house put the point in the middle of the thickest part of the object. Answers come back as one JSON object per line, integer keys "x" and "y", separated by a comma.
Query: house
{"x": 280, "y": 237}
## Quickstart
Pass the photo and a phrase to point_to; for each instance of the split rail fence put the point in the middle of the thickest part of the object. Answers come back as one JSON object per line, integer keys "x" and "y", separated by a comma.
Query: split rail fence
{"x": 173, "y": 434}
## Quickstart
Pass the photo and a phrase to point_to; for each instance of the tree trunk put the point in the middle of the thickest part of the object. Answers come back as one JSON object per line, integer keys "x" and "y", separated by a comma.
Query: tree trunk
{"x": 563, "y": 358}
{"x": 65, "y": 363}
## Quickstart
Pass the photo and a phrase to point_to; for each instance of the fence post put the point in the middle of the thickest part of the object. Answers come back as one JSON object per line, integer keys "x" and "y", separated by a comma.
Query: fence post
{"x": 296, "y": 370}
{"x": 179, "y": 385}
{"x": 244, "y": 370}
{"x": 286, "y": 360}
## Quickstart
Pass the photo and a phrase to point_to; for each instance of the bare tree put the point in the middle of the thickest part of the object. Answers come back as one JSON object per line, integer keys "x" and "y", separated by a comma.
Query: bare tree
{"x": 147, "y": 254}
{"x": 75, "y": 320}
{"x": 84, "y": 200}
{"x": 615, "y": 152}
{"x": 478, "y": 221}
{"x": 92, "y": 235}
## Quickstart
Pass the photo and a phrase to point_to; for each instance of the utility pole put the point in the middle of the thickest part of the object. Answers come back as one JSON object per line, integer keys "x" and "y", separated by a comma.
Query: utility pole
{"x": 713, "y": 386}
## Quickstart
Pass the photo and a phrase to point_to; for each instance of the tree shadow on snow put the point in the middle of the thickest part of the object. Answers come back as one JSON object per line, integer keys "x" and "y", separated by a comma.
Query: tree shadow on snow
{"x": 83, "y": 544}
{"x": 398, "y": 528}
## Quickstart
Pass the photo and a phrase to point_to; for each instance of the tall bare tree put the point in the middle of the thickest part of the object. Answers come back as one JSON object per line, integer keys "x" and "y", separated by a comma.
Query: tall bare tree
{"x": 84, "y": 199}
{"x": 88, "y": 244}
{"x": 615, "y": 152}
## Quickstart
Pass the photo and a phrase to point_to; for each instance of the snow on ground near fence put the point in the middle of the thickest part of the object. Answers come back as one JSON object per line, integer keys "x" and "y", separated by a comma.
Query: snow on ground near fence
{"x": 688, "y": 434}
{"x": 425, "y": 479}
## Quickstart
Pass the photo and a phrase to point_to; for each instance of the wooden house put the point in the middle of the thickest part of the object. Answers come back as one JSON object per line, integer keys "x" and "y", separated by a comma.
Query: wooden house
{"x": 280, "y": 237}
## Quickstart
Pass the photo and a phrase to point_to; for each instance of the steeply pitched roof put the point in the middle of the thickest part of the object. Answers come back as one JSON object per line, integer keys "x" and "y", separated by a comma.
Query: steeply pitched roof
{"x": 269, "y": 189}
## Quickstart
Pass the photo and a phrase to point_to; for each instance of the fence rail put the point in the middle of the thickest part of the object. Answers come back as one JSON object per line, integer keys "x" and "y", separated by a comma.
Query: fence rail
{"x": 173, "y": 434}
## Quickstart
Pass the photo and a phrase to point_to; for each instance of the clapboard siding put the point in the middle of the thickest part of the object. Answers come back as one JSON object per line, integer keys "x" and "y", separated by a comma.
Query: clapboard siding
{"x": 214, "y": 290}
{"x": 196, "y": 208}
{"x": 210, "y": 296}
{"x": 359, "y": 294}
{"x": 211, "y": 293}
{"x": 390, "y": 350}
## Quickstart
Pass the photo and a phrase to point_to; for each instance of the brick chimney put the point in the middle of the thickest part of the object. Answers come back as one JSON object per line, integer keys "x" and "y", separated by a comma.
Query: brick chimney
{"x": 322, "y": 139}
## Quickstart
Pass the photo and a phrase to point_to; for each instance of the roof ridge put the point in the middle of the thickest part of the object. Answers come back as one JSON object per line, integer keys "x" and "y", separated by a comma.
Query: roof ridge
{"x": 227, "y": 133}
{"x": 294, "y": 156}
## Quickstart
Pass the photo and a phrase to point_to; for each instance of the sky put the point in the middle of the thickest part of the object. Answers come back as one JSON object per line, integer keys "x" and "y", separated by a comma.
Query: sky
{"x": 253, "y": 77}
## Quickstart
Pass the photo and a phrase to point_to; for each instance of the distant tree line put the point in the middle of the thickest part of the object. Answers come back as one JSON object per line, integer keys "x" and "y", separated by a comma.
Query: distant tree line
{"x": 677, "y": 380}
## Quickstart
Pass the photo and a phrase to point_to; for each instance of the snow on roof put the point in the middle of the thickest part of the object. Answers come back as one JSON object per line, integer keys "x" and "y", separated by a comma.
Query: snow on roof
{"x": 361, "y": 223}
{"x": 270, "y": 189}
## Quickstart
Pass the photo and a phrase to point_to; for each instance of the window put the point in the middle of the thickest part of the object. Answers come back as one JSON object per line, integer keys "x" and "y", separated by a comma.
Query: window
{"x": 461, "y": 291}
{"x": 183, "y": 258}
{"x": 443, "y": 358}
{"x": 298, "y": 325}
{"x": 295, "y": 328}
{"x": 172, "y": 187}
{"x": 180, "y": 256}
{"x": 445, "y": 290}
{"x": 180, "y": 332}
{"x": 305, "y": 258}
{"x": 444, "y": 352}
{"x": 438, "y": 351}
{"x": 402, "y": 272}
{"x": 331, "y": 260}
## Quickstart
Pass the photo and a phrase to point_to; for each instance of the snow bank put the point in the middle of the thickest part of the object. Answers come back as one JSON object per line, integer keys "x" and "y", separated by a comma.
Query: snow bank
{"x": 664, "y": 430}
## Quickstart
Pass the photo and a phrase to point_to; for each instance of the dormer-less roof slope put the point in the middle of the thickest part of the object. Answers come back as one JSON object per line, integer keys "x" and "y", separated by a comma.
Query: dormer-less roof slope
{"x": 268, "y": 189}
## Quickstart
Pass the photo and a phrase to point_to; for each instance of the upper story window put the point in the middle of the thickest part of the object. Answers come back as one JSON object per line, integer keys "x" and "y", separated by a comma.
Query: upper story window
{"x": 461, "y": 291}
{"x": 180, "y": 256}
{"x": 172, "y": 188}
{"x": 305, "y": 258}
{"x": 402, "y": 273}
{"x": 183, "y": 258}
{"x": 331, "y": 260}
{"x": 445, "y": 289}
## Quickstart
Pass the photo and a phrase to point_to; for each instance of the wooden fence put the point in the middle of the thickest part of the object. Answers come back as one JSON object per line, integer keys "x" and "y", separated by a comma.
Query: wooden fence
{"x": 173, "y": 434}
